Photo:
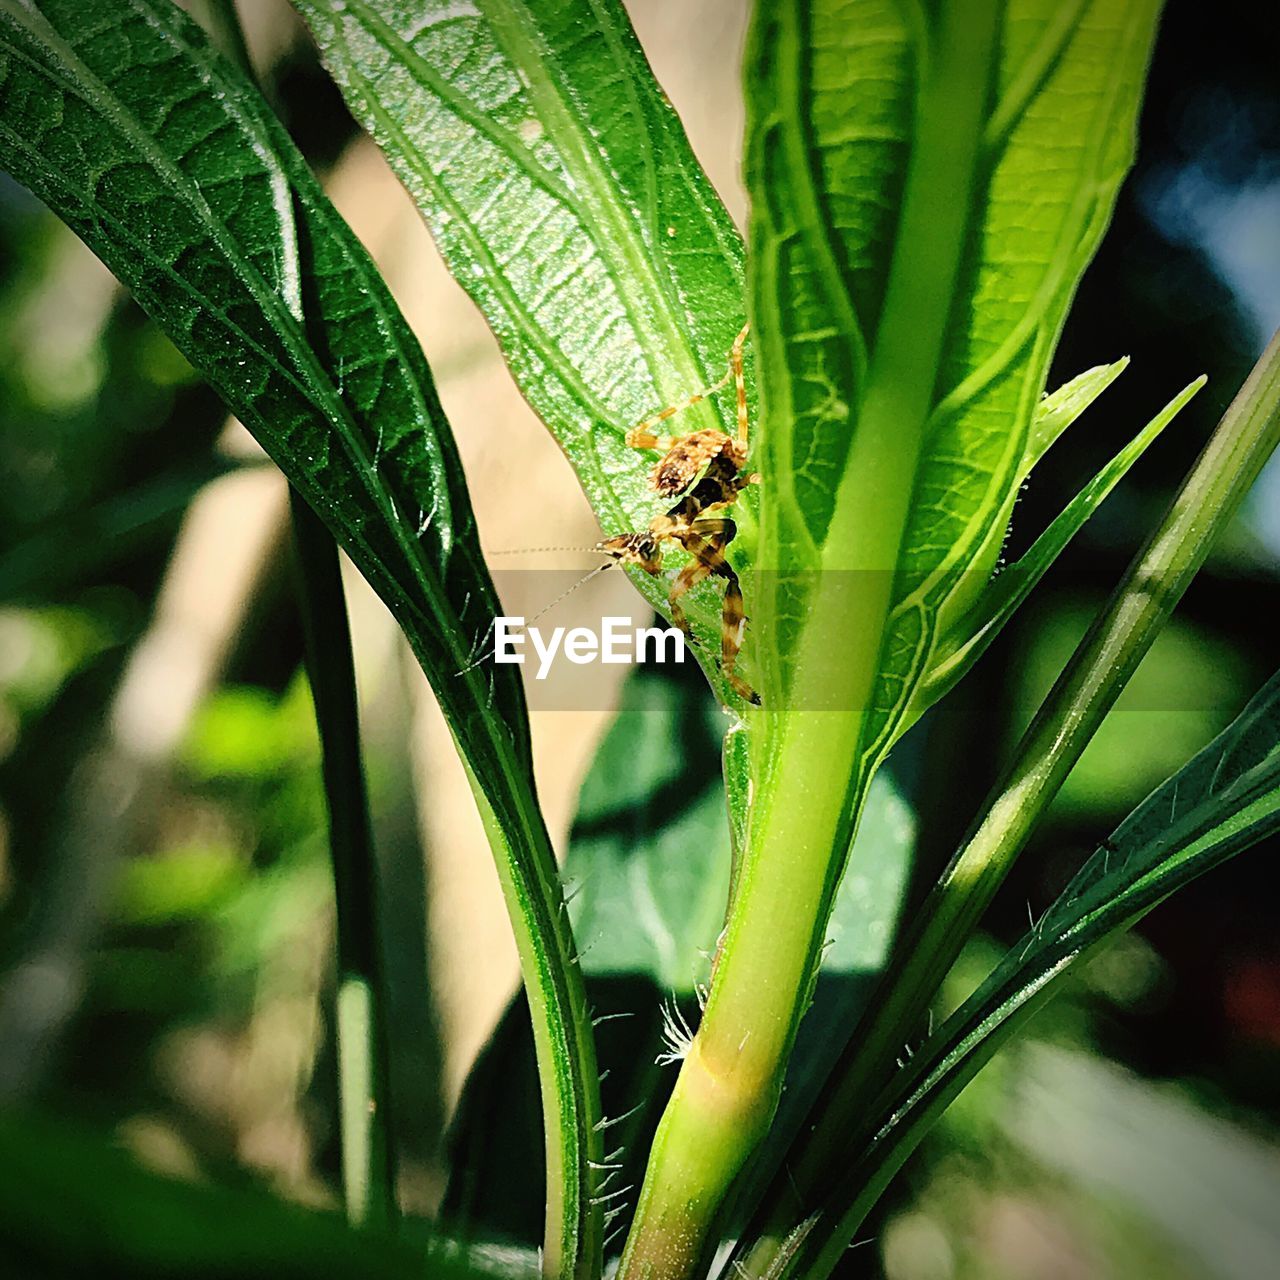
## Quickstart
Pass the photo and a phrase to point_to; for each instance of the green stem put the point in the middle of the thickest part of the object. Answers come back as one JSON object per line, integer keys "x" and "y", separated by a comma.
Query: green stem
{"x": 808, "y": 790}
{"x": 368, "y": 1167}
{"x": 1086, "y": 690}
{"x": 563, "y": 1039}
{"x": 368, "y": 1173}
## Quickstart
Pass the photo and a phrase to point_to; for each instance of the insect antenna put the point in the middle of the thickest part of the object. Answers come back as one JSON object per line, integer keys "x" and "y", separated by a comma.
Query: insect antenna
{"x": 533, "y": 551}
{"x": 545, "y": 608}
{"x": 581, "y": 582}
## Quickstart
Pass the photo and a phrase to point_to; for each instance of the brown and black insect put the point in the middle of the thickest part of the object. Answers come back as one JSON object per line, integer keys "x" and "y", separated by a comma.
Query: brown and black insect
{"x": 706, "y": 471}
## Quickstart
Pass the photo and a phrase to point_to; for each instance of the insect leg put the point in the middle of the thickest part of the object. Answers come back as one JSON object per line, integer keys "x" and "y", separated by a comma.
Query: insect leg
{"x": 718, "y": 530}
{"x": 706, "y": 541}
{"x": 688, "y": 578}
{"x": 641, "y": 436}
{"x": 740, "y": 384}
{"x": 733, "y": 621}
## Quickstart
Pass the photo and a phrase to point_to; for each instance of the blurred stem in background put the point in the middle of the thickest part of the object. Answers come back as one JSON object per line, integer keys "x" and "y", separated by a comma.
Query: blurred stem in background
{"x": 368, "y": 1174}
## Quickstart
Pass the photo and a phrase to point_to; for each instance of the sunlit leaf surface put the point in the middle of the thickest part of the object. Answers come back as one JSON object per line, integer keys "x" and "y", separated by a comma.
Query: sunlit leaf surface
{"x": 562, "y": 192}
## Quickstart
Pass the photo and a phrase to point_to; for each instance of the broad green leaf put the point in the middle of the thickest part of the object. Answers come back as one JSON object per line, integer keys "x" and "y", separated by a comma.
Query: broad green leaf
{"x": 907, "y": 296}
{"x": 74, "y": 1206}
{"x": 561, "y": 190}
{"x": 1225, "y": 800}
{"x": 909, "y": 293}
{"x": 927, "y": 185}
{"x": 169, "y": 165}
{"x": 1062, "y": 125}
{"x": 649, "y": 863}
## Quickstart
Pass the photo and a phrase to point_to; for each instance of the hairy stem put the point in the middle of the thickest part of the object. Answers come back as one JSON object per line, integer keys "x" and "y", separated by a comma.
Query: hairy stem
{"x": 808, "y": 787}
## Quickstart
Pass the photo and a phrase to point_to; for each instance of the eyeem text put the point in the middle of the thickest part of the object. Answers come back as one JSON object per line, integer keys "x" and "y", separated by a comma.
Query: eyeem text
{"x": 616, "y": 642}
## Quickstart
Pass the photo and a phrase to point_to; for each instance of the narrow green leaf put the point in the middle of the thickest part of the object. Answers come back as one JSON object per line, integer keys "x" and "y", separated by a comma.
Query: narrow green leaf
{"x": 1056, "y": 412}
{"x": 169, "y": 165}
{"x": 1180, "y": 829}
{"x": 561, "y": 190}
{"x": 364, "y": 1094}
{"x": 971, "y": 635}
{"x": 1221, "y": 803}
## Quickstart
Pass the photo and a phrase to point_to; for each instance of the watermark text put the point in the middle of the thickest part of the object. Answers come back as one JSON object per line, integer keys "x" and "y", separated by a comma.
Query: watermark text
{"x": 618, "y": 641}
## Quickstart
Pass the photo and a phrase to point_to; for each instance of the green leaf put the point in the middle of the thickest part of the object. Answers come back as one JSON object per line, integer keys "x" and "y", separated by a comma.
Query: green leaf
{"x": 648, "y": 863}
{"x": 970, "y": 636}
{"x": 562, "y": 192}
{"x": 1067, "y": 85}
{"x": 117, "y": 125}
{"x": 1225, "y": 800}
{"x": 909, "y": 294}
{"x": 169, "y": 165}
{"x": 1056, "y": 412}
{"x": 906, "y": 297}
{"x": 72, "y": 1206}
{"x": 648, "y": 867}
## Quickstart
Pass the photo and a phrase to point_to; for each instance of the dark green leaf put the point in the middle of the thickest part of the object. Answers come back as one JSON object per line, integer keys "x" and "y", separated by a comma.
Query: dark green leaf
{"x": 169, "y": 165}
{"x": 649, "y": 863}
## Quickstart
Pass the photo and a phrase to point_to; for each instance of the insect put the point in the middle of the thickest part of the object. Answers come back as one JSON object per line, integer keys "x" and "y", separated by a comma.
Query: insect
{"x": 706, "y": 471}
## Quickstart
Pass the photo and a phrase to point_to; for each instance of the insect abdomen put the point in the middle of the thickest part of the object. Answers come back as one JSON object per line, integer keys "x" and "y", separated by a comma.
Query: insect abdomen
{"x": 685, "y": 459}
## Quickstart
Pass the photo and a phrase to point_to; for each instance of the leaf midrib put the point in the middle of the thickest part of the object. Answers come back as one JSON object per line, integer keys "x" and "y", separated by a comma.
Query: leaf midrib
{"x": 612, "y": 232}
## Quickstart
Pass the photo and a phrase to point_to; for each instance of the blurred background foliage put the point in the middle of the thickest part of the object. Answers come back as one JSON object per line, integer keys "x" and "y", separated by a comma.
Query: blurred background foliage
{"x": 165, "y": 903}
